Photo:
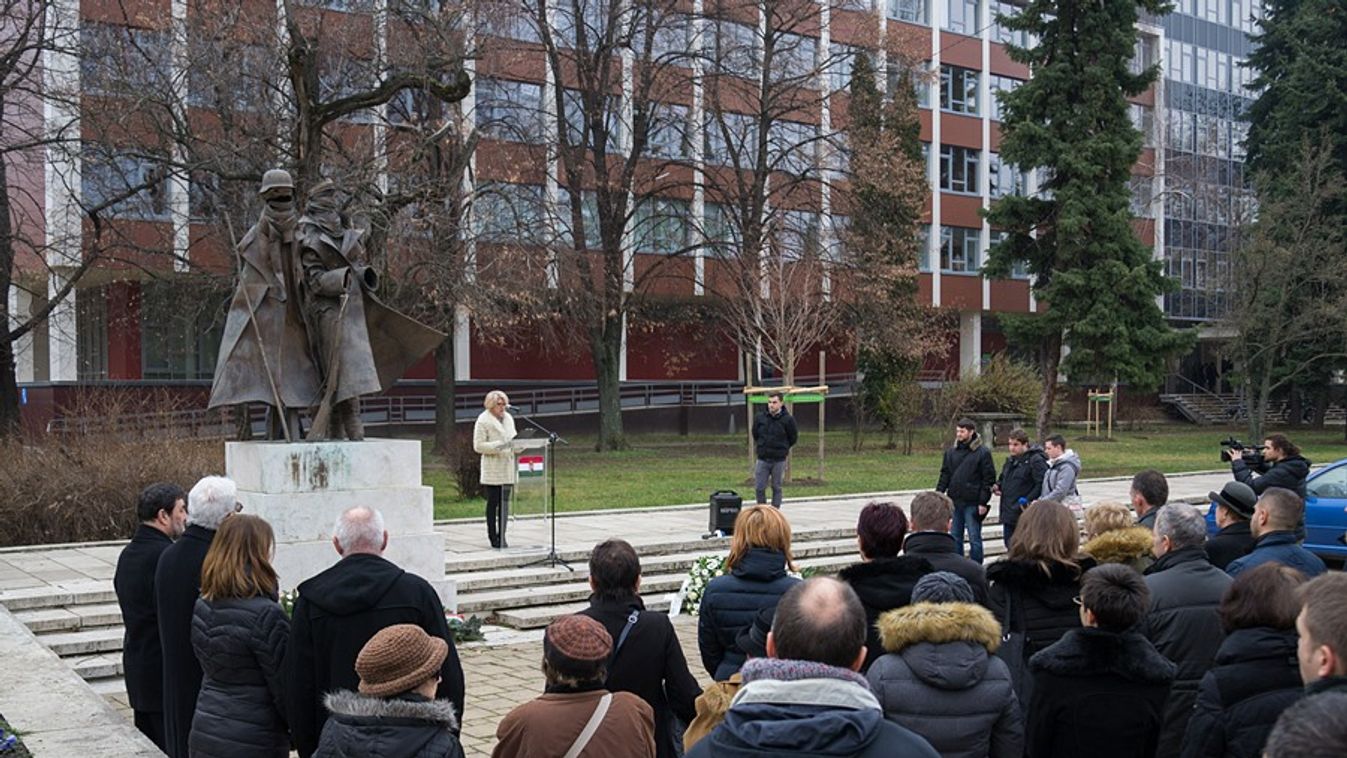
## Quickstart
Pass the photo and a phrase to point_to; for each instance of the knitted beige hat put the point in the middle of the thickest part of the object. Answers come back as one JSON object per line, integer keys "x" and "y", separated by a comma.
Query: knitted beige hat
{"x": 397, "y": 659}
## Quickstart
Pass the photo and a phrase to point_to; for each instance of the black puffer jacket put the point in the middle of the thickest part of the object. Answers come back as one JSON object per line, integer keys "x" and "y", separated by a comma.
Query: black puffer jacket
{"x": 774, "y": 436}
{"x": 1230, "y": 544}
{"x": 940, "y": 549}
{"x": 1021, "y": 478}
{"x": 967, "y": 473}
{"x": 940, "y": 679}
{"x": 1043, "y": 603}
{"x": 241, "y": 645}
{"x": 1185, "y": 627}
{"x": 407, "y": 726}
{"x": 730, "y": 603}
{"x": 1289, "y": 473}
{"x": 1256, "y": 677}
{"x": 882, "y": 585}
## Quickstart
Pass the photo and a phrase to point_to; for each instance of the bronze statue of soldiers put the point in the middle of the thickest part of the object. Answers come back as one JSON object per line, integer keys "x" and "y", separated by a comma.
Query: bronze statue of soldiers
{"x": 265, "y": 355}
{"x": 361, "y": 346}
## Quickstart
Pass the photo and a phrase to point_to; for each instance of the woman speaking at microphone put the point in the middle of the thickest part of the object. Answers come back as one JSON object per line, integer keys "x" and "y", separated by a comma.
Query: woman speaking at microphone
{"x": 493, "y": 438}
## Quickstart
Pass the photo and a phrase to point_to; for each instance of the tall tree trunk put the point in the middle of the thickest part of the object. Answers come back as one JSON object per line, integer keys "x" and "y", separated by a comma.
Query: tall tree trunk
{"x": 445, "y": 395}
{"x": 607, "y": 352}
{"x": 1050, "y": 361}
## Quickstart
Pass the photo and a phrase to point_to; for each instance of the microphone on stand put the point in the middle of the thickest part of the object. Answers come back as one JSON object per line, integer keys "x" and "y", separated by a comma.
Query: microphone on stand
{"x": 512, "y": 408}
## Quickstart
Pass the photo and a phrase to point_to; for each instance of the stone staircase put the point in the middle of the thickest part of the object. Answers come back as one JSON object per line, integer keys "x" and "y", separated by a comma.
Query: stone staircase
{"x": 1208, "y": 409}
{"x": 82, "y": 623}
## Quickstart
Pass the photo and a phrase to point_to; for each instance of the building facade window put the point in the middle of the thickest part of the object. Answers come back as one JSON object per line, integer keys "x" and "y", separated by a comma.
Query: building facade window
{"x": 576, "y": 135}
{"x": 899, "y": 75}
{"x": 998, "y": 84}
{"x": 959, "y": 89}
{"x": 123, "y": 61}
{"x": 663, "y": 225}
{"x": 109, "y": 177}
{"x": 177, "y": 342}
{"x": 730, "y": 138}
{"x": 792, "y": 147}
{"x": 507, "y": 213}
{"x": 670, "y": 132}
{"x": 1000, "y": 33}
{"x": 911, "y": 11}
{"x": 961, "y": 17}
{"x": 509, "y": 110}
{"x": 958, "y": 169}
{"x": 1006, "y": 178}
{"x": 960, "y": 249}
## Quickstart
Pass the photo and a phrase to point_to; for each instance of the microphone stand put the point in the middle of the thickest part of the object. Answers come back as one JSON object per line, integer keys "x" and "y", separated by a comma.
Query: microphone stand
{"x": 552, "y": 558}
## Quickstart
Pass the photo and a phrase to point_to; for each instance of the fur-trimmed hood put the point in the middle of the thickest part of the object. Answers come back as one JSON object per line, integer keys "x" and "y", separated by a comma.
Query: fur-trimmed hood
{"x": 938, "y": 623}
{"x": 1095, "y": 652}
{"x": 1120, "y": 545}
{"x": 355, "y": 705}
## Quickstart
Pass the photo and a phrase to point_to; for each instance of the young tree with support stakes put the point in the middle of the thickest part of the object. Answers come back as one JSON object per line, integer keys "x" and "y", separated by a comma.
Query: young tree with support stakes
{"x": 1098, "y": 283}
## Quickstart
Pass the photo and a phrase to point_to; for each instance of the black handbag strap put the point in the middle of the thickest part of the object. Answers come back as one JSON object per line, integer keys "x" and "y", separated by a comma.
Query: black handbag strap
{"x": 622, "y": 637}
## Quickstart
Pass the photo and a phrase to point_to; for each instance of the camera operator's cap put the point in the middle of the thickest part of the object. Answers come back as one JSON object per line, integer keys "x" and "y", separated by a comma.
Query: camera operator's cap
{"x": 1238, "y": 497}
{"x": 397, "y": 659}
{"x": 577, "y": 645}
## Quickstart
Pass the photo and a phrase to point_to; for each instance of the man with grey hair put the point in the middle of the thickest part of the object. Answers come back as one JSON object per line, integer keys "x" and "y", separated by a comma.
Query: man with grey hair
{"x": 177, "y": 584}
{"x": 1183, "y": 622}
{"x": 340, "y": 609}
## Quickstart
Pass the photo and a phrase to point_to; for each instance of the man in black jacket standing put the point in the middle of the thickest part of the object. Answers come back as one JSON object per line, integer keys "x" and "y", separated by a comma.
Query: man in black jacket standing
{"x": 967, "y": 475}
{"x": 162, "y": 512}
{"x": 1234, "y": 506}
{"x": 647, "y": 660}
{"x": 1020, "y": 482}
{"x": 177, "y": 584}
{"x": 930, "y": 538}
{"x": 341, "y": 609}
{"x": 1281, "y": 465}
{"x": 774, "y": 434}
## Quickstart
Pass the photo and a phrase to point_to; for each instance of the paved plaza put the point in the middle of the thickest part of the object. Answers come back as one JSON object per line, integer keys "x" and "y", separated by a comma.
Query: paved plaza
{"x": 504, "y": 671}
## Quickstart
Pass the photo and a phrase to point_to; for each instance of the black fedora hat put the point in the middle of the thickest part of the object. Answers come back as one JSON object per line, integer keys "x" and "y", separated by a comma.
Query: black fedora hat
{"x": 1238, "y": 497}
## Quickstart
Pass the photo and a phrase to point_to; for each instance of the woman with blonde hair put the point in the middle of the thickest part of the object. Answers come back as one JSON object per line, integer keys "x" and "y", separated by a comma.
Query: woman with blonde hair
{"x": 239, "y": 633}
{"x": 756, "y": 578}
{"x": 1033, "y": 591}
{"x": 493, "y": 439}
{"x": 1112, "y": 536}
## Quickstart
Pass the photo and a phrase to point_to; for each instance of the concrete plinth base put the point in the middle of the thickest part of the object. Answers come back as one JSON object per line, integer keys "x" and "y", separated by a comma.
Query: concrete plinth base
{"x": 301, "y": 488}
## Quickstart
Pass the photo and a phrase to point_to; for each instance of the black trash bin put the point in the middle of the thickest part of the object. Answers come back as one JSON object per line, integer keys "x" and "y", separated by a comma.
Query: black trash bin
{"x": 725, "y": 506}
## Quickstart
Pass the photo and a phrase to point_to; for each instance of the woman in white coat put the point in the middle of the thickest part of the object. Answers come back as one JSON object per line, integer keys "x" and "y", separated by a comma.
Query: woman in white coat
{"x": 493, "y": 438}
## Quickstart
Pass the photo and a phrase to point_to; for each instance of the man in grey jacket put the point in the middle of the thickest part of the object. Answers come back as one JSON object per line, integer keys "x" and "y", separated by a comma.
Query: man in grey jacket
{"x": 1059, "y": 482}
{"x": 1183, "y": 622}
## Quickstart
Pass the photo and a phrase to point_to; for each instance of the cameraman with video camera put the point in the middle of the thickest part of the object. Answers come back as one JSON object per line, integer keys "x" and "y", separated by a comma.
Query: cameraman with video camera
{"x": 1278, "y": 463}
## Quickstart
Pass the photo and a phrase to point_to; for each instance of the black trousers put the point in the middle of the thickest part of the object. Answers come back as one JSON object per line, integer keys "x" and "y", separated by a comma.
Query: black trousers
{"x": 151, "y": 724}
{"x": 497, "y": 512}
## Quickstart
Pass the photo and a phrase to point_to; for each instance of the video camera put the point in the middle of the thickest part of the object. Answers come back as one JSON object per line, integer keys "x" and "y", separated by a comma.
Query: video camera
{"x": 1252, "y": 454}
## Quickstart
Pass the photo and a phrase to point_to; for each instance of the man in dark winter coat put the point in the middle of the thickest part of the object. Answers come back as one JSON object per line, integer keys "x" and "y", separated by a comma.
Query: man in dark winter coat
{"x": 162, "y": 512}
{"x": 806, "y": 697}
{"x": 774, "y": 434}
{"x": 647, "y": 659}
{"x": 395, "y": 713}
{"x": 1183, "y": 622}
{"x": 967, "y": 474}
{"x": 883, "y": 580}
{"x": 177, "y": 584}
{"x": 1150, "y": 490}
{"x": 1233, "y": 506}
{"x": 339, "y": 610}
{"x": 1282, "y": 466}
{"x": 1100, "y": 691}
{"x": 1322, "y": 625}
{"x": 930, "y": 538}
{"x": 1273, "y": 527}
{"x": 1020, "y": 482}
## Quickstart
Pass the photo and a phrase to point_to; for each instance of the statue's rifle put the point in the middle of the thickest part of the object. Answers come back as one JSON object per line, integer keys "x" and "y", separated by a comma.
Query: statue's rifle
{"x": 266, "y": 365}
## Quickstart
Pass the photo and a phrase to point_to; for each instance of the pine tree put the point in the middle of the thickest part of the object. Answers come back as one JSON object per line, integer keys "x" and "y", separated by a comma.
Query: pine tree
{"x": 1096, "y": 282}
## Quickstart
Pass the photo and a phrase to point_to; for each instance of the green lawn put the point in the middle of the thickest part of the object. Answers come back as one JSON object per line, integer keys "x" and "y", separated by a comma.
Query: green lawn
{"x": 668, "y": 469}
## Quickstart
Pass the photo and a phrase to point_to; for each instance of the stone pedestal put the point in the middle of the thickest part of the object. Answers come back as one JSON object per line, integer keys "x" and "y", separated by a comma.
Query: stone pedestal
{"x": 301, "y": 488}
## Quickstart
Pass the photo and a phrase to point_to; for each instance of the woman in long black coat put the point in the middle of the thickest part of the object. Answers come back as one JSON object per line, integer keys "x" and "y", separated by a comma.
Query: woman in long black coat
{"x": 1256, "y": 675}
{"x": 239, "y": 633}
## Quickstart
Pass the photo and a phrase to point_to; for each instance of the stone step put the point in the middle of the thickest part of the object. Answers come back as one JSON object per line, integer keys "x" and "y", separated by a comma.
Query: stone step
{"x": 474, "y": 582}
{"x": 97, "y": 665}
{"x": 65, "y": 644}
{"x": 55, "y": 596}
{"x": 71, "y": 618}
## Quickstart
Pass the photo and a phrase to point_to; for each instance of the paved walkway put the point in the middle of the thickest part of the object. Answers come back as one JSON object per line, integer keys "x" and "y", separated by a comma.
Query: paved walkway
{"x": 505, "y": 673}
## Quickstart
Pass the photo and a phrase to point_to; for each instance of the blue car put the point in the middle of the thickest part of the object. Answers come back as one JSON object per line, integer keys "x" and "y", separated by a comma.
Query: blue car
{"x": 1325, "y": 512}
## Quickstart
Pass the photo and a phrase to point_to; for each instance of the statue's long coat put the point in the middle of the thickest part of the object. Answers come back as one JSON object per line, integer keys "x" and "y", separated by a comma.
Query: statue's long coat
{"x": 374, "y": 344}
{"x": 266, "y": 281}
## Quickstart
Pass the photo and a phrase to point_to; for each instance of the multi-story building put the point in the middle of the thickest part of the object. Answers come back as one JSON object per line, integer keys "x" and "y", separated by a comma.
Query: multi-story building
{"x": 123, "y": 326}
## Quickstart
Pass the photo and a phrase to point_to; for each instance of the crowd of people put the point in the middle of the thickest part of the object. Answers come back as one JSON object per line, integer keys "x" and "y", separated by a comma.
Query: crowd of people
{"x": 1125, "y": 631}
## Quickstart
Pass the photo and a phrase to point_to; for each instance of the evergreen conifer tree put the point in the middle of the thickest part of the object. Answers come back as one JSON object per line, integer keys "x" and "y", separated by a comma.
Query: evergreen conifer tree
{"x": 1097, "y": 284}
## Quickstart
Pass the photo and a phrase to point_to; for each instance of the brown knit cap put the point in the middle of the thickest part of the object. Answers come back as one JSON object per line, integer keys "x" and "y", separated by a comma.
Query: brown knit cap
{"x": 397, "y": 659}
{"x": 577, "y": 645}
